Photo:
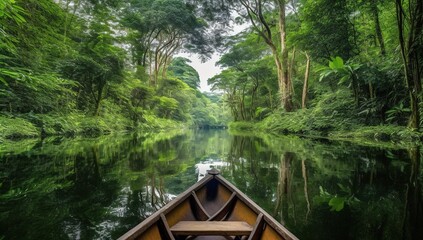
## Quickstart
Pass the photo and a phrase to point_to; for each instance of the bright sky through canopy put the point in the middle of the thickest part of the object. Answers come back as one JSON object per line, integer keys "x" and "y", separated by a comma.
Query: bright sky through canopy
{"x": 209, "y": 69}
{"x": 206, "y": 70}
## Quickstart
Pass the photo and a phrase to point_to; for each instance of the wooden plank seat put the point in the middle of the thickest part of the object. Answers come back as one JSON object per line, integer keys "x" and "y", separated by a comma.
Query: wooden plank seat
{"x": 203, "y": 228}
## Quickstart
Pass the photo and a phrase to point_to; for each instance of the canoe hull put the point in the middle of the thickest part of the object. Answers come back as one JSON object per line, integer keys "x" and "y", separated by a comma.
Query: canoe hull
{"x": 210, "y": 200}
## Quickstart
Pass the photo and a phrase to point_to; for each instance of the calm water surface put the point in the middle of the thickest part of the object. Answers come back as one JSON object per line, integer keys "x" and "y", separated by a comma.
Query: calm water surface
{"x": 98, "y": 188}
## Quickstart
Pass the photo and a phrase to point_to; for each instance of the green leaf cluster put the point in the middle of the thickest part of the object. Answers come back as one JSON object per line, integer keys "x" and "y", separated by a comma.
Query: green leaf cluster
{"x": 335, "y": 202}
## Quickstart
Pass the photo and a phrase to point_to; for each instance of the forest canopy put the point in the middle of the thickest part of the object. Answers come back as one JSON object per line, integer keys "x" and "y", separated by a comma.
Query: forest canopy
{"x": 83, "y": 66}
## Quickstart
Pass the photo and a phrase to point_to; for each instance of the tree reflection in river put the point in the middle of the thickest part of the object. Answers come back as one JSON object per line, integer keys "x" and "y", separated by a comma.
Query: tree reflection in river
{"x": 99, "y": 188}
{"x": 336, "y": 189}
{"x": 413, "y": 209}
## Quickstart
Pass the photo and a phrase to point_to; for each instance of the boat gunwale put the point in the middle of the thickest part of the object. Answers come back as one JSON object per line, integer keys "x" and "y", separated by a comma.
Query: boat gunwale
{"x": 278, "y": 227}
{"x": 148, "y": 222}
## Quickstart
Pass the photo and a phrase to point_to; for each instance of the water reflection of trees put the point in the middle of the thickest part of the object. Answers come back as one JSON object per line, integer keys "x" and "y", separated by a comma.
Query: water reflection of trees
{"x": 413, "y": 206}
{"x": 99, "y": 188}
{"x": 96, "y": 188}
{"x": 373, "y": 193}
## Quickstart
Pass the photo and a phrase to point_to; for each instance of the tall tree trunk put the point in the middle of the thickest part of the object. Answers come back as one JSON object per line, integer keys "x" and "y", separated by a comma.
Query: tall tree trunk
{"x": 68, "y": 21}
{"x": 355, "y": 87}
{"x": 378, "y": 30}
{"x": 151, "y": 68}
{"x": 262, "y": 27}
{"x": 97, "y": 99}
{"x": 97, "y": 107}
{"x": 279, "y": 70}
{"x": 286, "y": 93}
{"x": 232, "y": 104}
{"x": 292, "y": 71}
{"x": 156, "y": 68}
{"x": 411, "y": 51}
{"x": 371, "y": 91}
{"x": 305, "y": 86}
{"x": 242, "y": 105}
{"x": 270, "y": 98}
{"x": 253, "y": 98}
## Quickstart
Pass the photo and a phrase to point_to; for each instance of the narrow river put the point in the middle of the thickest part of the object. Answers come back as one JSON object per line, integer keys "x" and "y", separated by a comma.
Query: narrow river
{"x": 98, "y": 188}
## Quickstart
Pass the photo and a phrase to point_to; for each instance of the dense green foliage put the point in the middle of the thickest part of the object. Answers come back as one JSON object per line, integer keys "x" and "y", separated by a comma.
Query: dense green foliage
{"x": 344, "y": 69}
{"x": 345, "y": 65}
{"x": 70, "y": 67}
{"x": 79, "y": 66}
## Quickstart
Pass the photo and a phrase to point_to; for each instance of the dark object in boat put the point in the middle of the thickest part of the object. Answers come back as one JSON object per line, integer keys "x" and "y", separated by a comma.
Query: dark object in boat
{"x": 211, "y": 209}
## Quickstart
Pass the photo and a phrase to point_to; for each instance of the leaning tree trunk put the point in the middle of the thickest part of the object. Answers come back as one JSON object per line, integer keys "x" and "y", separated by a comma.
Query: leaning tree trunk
{"x": 378, "y": 29}
{"x": 305, "y": 87}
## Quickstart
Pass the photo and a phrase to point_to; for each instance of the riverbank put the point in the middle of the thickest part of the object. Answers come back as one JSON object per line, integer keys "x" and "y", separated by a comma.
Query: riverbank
{"x": 330, "y": 128}
{"x": 21, "y": 126}
{"x": 14, "y": 127}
